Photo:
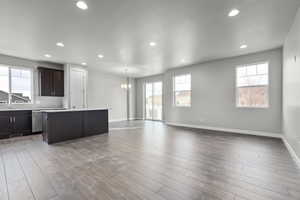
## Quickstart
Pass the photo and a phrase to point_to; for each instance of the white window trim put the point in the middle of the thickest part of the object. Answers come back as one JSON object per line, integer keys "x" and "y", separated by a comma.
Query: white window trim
{"x": 236, "y": 87}
{"x": 173, "y": 92}
{"x": 9, "y": 84}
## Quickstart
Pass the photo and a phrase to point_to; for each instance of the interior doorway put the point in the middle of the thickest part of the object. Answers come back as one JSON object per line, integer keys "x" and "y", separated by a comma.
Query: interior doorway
{"x": 153, "y": 101}
{"x": 77, "y": 88}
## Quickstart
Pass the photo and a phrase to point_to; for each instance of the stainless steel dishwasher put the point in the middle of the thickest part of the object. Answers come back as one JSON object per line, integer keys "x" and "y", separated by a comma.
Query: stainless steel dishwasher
{"x": 37, "y": 121}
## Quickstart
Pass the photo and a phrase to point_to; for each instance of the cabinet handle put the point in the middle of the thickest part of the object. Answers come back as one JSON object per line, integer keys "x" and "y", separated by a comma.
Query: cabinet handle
{"x": 14, "y": 119}
{"x": 10, "y": 120}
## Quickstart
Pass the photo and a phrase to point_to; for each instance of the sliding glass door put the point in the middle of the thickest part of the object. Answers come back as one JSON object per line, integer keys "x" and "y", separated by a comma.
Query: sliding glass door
{"x": 153, "y": 101}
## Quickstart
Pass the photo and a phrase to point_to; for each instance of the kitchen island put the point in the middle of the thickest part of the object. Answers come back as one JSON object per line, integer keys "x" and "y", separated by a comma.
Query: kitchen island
{"x": 63, "y": 125}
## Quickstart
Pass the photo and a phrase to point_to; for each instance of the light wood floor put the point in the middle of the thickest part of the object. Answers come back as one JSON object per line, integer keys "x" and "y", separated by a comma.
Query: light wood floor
{"x": 153, "y": 162}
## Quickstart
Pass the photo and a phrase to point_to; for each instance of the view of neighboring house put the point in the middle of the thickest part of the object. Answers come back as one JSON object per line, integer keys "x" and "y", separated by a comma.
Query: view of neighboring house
{"x": 15, "y": 97}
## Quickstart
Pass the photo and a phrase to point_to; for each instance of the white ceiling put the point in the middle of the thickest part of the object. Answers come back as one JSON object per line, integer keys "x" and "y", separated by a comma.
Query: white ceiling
{"x": 193, "y": 30}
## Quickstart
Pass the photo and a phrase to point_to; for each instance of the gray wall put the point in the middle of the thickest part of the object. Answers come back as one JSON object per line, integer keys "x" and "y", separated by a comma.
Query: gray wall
{"x": 104, "y": 90}
{"x": 214, "y": 97}
{"x": 39, "y": 102}
{"x": 291, "y": 86}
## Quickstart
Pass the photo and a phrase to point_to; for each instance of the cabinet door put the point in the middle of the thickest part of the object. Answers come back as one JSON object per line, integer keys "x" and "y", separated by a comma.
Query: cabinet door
{"x": 63, "y": 126}
{"x": 58, "y": 83}
{"x": 22, "y": 122}
{"x": 95, "y": 122}
{"x": 5, "y": 123}
{"x": 46, "y": 82}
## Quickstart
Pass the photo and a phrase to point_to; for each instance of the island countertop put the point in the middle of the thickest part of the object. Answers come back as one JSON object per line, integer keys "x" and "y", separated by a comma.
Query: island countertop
{"x": 25, "y": 109}
{"x": 74, "y": 110}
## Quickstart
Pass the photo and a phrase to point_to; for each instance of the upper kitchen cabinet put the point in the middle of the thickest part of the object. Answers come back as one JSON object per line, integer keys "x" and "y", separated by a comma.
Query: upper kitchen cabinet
{"x": 51, "y": 82}
{"x": 58, "y": 83}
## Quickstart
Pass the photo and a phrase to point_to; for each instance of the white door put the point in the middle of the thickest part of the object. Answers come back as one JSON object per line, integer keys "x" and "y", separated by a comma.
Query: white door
{"x": 77, "y": 88}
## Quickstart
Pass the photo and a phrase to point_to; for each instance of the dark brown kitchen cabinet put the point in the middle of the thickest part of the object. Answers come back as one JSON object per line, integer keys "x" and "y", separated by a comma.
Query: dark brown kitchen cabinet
{"x": 58, "y": 83}
{"x": 22, "y": 122}
{"x": 46, "y": 82}
{"x": 59, "y": 126}
{"x": 15, "y": 123}
{"x": 95, "y": 122}
{"x": 51, "y": 82}
{"x": 5, "y": 125}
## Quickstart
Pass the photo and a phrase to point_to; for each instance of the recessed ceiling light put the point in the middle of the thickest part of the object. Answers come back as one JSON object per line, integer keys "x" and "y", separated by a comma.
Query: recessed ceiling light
{"x": 83, "y": 63}
{"x": 152, "y": 44}
{"x": 47, "y": 55}
{"x": 60, "y": 44}
{"x": 82, "y": 5}
{"x": 244, "y": 46}
{"x": 233, "y": 13}
{"x": 100, "y": 56}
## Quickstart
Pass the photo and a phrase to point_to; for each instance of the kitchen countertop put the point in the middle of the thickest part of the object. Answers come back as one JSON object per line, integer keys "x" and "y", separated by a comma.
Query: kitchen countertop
{"x": 74, "y": 110}
{"x": 33, "y": 109}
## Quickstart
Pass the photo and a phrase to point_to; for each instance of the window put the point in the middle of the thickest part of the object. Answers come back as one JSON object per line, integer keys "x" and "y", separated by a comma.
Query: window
{"x": 15, "y": 85}
{"x": 252, "y": 82}
{"x": 182, "y": 90}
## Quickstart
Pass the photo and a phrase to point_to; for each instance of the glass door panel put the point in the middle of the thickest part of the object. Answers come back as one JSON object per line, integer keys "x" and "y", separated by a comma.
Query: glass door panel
{"x": 157, "y": 101}
{"x": 153, "y": 101}
{"x": 148, "y": 100}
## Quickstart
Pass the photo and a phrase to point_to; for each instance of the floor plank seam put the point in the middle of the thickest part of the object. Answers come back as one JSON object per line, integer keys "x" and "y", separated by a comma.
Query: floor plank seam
{"x": 45, "y": 175}
{"x": 3, "y": 164}
{"x": 25, "y": 176}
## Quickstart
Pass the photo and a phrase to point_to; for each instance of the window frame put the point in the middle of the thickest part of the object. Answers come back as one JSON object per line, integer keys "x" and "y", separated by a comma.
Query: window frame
{"x": 10, "y": 67}
{"x": 174, "y": 91}
{"x": 236, "y": 87}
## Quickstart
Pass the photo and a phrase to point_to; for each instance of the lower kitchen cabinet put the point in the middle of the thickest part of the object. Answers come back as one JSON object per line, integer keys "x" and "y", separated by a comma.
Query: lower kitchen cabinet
{"x": 5, "y": 125}
{"x": 95, "y": 122}
{"x": 22, "y": 122}
{"x": 59, "y": 126}
{"x": 15, "y": 123}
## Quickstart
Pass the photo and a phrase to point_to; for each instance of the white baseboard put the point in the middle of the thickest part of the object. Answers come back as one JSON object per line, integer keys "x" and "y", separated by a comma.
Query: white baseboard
{"x": 125, "y": 128}
{"x": 117, "y": 120}
{"x": 291, "y": 151}
{"x": 120, "y": 120}
{"x": 240, "y": 131}
{"x": 132, "y": 119}
{"x": 138, "y": 119}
